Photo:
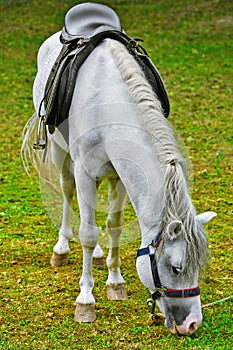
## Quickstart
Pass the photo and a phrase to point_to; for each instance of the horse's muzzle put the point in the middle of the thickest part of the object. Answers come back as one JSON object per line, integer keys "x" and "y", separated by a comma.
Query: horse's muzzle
{"x": 188, "y": 327}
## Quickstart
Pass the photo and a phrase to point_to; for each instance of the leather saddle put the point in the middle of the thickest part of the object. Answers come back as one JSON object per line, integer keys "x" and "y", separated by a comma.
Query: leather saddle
{"x": 86, "y": 25}
{"x": 87, "y": 19}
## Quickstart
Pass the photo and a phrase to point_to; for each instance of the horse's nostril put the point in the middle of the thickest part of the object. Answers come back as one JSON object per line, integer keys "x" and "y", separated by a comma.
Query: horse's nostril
{"x": 185, "y": 329}
{"x": 192, "y": 327}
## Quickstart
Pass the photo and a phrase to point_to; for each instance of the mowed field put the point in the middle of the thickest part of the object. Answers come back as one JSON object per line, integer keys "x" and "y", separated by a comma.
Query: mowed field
{"x": 191, "y": 44}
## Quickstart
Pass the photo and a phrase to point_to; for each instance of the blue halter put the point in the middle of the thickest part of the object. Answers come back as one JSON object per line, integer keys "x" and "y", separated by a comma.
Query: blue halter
{"x": 160, "y": 290}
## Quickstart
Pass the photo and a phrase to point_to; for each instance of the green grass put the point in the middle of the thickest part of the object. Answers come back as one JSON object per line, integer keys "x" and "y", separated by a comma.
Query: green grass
{"x": 191, "y": 44}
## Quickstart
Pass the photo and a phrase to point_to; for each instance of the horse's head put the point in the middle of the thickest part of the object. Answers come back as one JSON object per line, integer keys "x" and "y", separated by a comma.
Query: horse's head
{"x": 169, "y": 268}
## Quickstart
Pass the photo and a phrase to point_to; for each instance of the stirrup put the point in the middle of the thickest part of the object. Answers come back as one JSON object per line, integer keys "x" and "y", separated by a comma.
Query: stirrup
{"x": 41, "y": 137}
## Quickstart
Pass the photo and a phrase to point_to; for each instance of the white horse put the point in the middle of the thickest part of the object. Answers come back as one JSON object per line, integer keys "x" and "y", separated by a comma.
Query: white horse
{"x": 117, "y": 130}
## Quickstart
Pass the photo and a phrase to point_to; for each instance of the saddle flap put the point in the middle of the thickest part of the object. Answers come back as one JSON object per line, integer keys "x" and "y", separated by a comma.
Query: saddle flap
{"x": 87, "y": 19}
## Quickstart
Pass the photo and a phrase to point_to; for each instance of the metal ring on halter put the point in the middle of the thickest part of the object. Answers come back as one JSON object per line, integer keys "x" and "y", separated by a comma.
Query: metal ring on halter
{"x": 162, "y": 290}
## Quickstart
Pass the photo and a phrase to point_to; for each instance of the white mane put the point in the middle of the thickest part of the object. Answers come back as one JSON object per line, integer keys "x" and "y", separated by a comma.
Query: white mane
{"x": 177, "y": 201}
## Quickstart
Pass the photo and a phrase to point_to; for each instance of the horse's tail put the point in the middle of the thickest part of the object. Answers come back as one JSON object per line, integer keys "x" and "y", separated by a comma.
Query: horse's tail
{"x": 40, "y": 160}
{"x": 31, "y": 157}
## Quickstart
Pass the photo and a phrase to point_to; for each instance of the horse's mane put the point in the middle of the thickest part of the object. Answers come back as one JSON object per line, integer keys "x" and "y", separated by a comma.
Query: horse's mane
{"x": 177, "y": 202}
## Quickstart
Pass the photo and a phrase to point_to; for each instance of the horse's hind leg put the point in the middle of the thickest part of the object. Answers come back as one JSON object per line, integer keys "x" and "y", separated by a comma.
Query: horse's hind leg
{"x": 98, "y": 257}
{"x": 61, "y": 249}
{"x": 115, "y": 282}
{"x": 88, "y": 233}
{"x": 98, "y": 254}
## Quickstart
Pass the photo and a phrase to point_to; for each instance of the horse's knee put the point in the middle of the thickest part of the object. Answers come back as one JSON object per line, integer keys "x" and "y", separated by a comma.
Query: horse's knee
{"x": 88, "y": 235}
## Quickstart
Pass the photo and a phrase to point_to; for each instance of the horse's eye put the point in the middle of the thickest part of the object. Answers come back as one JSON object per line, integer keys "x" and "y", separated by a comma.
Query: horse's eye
{"x": 176, "y": 269}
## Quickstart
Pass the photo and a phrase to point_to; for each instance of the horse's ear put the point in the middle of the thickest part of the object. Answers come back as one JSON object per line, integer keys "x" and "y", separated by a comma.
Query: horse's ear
{"x": 203, "y": 218}
{"x": 174, "y": 229}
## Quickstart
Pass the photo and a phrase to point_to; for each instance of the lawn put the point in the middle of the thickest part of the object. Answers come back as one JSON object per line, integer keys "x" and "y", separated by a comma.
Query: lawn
{"x": 191, "y": 44}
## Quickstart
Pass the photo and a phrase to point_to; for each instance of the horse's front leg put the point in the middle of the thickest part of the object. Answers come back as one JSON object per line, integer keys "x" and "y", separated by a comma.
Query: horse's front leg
{"x": 115, "y": 282}
{"x": 88, "y": 233}
{"x": 85, "y": 302}
{"x": 61, "y": 249}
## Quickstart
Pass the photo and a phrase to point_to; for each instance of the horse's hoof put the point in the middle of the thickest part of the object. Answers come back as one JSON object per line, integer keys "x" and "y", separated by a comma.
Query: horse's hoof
{"x": 116, "y": 291}
{"x": 85, "y": 313}
{"x": 98, "y": 263}
{"x": 58, "y": 260}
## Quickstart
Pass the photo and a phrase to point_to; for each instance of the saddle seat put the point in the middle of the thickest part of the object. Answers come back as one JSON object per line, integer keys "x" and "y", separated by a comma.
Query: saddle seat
{"x": 87, "y": 19}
